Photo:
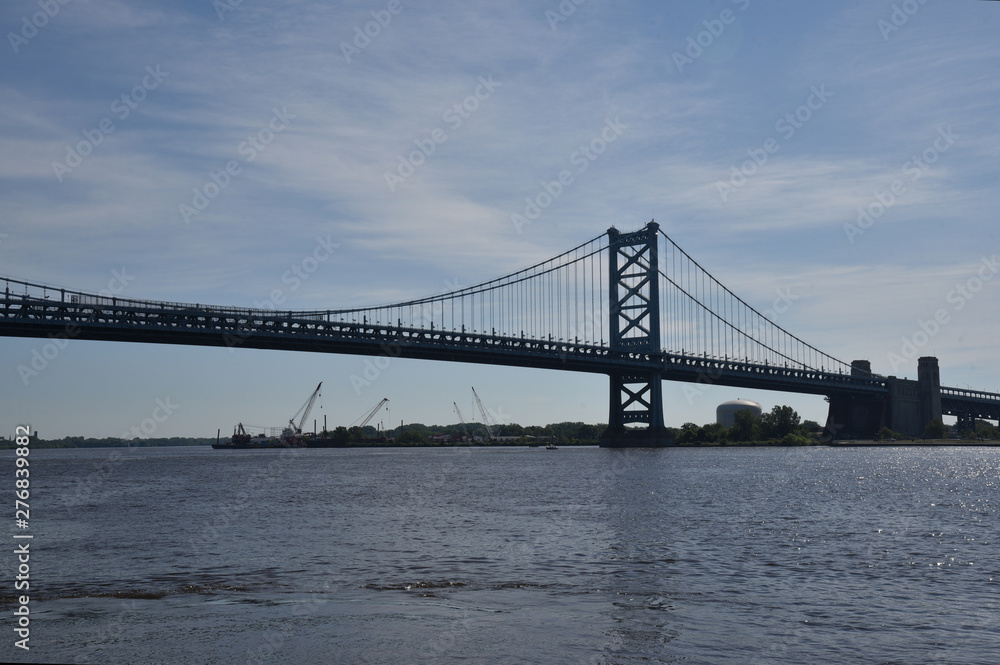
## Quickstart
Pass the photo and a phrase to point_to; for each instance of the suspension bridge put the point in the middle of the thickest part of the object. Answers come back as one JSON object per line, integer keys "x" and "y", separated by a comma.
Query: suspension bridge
{"x": 633, "y": 306}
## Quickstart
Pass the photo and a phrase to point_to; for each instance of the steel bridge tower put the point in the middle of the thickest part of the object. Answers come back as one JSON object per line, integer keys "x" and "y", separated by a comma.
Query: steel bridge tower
{"x": 634, "y": 296}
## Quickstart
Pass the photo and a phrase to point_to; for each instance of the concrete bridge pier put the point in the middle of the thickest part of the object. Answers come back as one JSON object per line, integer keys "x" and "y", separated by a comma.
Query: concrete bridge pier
{"x": 965, "y": 423}
{"x": 855, "y": 417}
{"x": 637, "y": 438}
{"x": 908, "y": 408}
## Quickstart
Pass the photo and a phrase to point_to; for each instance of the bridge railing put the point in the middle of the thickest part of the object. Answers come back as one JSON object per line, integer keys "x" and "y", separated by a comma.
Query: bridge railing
{"x": 709, "y": 366}
{"x": 51, "y": 298}
{"x": 21, "y": 291}
{"x": 45, "y": 303}
{"x": 15, "y": 289}
{"x": 970, "y": 394}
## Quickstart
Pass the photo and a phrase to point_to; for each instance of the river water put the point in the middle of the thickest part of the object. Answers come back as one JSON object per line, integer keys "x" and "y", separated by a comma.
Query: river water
{"x": 511, "y": 555}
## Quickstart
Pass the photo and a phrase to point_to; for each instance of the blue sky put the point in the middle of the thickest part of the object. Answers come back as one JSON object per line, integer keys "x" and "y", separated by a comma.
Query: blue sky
{"x": 879, "y": 106}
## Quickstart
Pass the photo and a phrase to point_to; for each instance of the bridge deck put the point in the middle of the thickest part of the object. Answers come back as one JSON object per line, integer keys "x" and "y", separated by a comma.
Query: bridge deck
{"x": 84, "y": 316}
{"x": 970, "y": 403}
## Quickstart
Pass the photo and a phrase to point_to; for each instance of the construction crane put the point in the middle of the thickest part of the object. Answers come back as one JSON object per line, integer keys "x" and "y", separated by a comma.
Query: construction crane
{"x": 371, "y": 414}
{"x": 461, "y": 420}
{"x": 304, "y": 410}
{"x": 486, "y": 417}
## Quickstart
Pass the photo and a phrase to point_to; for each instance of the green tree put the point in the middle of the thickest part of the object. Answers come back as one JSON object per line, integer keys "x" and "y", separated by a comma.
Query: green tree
{"x": 414, "y": 433}
{"x": 795, "y": 439}
{"x": 711, "y": 433}
{"x": 511, "y": 429}
{"x": 780, "y": 421}
{"x": 985, "y": 430}
{"x": 341, "y": 435}
{"x": 935, "y": 429}
{"x": 885, "y": 434}
{"x": 413, "y": 436}
{"x": 688, "y": 434}
{"x": 746, "y": 426}
{"x": 589, "y": 432}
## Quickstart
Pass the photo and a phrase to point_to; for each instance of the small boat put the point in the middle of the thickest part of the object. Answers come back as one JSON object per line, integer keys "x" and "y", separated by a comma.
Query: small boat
{"x": 551, "y": 446}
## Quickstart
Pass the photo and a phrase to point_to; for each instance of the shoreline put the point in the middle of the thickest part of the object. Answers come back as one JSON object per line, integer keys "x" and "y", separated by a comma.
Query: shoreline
{"x": 859, "y": 443}
{"x": 869, "y": 443}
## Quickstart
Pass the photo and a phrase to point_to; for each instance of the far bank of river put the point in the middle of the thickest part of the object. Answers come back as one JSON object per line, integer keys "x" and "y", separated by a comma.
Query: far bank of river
{"x": 107, "y": 443}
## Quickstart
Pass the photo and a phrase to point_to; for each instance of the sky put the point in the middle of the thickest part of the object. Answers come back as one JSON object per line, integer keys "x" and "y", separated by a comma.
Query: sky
{"x": 834, "y": 162}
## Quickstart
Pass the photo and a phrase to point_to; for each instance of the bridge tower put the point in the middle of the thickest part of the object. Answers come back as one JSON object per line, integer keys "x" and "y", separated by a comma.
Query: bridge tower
{"x": 929, "y": 385}
{"x": 634, "y": 295}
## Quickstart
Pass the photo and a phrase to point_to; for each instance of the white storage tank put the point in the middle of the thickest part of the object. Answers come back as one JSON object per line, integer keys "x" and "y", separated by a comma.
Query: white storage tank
{"x": 725, "y": 413}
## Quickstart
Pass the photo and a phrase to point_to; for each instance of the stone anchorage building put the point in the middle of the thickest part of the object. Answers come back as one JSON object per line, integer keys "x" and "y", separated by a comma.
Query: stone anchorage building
{"x": 908, "y": 408}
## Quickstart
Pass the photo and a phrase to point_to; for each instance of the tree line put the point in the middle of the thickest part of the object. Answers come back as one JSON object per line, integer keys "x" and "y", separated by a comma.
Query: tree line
{"x": 780, "y": 426}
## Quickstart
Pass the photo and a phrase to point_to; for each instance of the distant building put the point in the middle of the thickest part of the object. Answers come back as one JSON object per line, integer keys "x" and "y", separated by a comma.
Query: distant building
{"x": 725, "y": 413}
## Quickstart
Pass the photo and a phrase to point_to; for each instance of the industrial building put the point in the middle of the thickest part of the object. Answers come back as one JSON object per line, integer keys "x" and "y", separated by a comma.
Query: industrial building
{"x": 725, "y": 413}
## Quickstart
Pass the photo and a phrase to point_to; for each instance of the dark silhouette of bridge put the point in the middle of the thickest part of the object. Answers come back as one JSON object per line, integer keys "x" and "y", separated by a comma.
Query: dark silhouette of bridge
{"x": 633, "y": 306}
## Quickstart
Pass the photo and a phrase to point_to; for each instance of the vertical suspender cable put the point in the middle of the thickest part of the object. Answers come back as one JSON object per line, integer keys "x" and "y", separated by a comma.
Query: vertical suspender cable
{"x": 576, "y": 300}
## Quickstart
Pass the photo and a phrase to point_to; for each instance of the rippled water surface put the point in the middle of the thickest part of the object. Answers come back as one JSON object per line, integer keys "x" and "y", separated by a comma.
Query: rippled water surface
{"x": 513, "y": 555}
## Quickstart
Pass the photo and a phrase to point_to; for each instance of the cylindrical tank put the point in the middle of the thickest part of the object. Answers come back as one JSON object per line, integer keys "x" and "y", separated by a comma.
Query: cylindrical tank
{"x": 725, "y": 413}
